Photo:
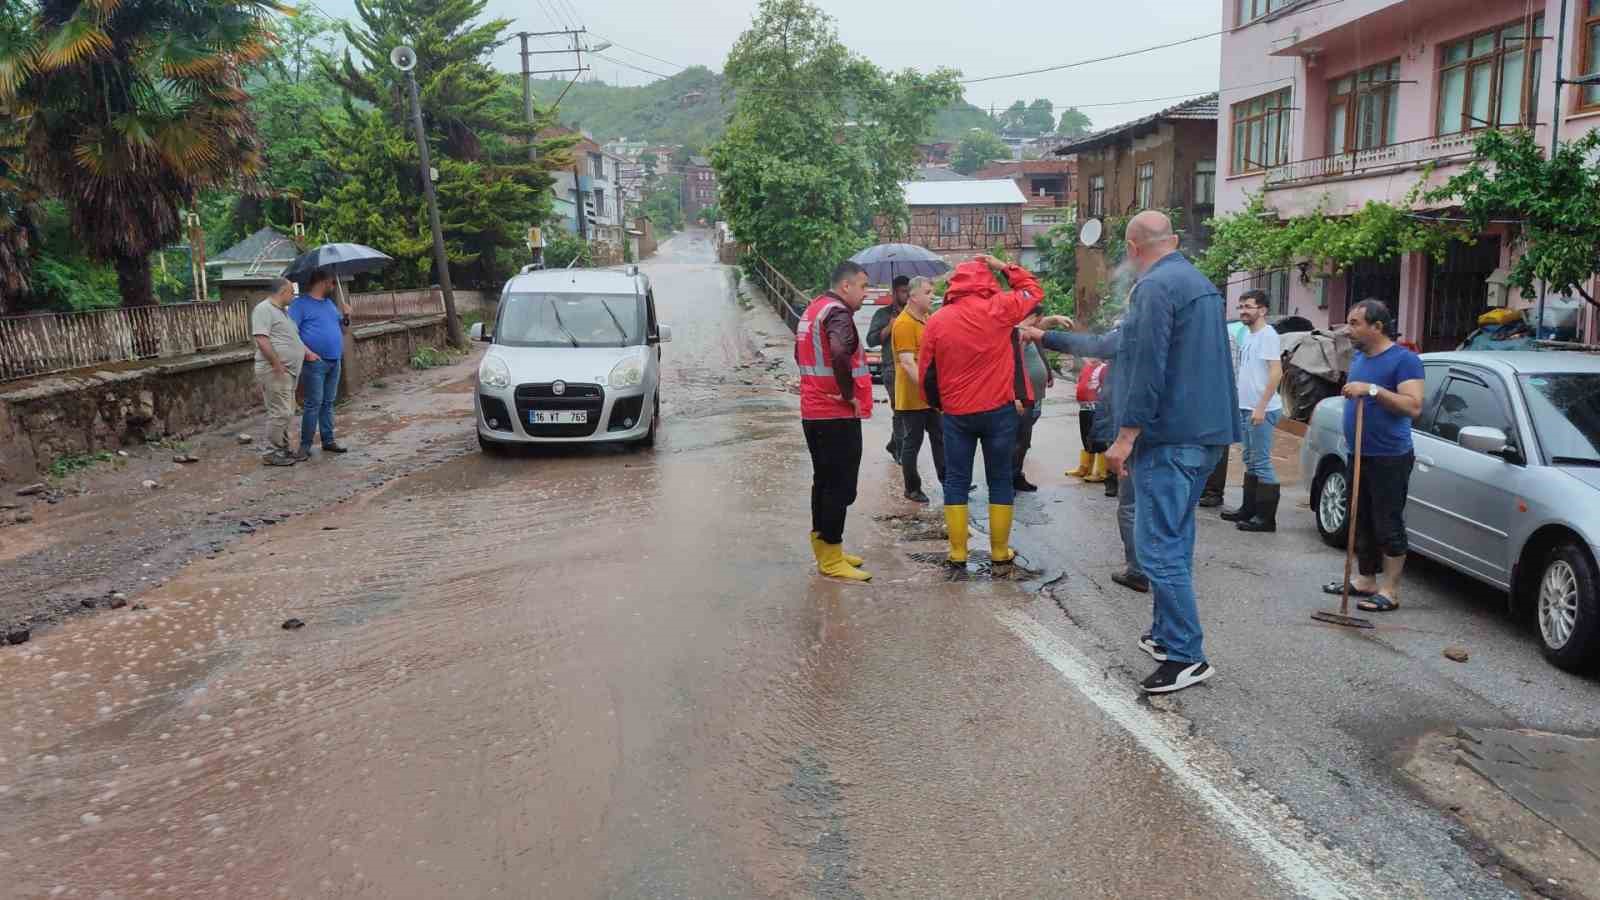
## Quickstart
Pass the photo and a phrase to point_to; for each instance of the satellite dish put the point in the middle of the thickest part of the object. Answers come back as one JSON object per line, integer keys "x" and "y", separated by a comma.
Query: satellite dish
{"x": 1091, "y": 232}
{"x": 404, "y": 58}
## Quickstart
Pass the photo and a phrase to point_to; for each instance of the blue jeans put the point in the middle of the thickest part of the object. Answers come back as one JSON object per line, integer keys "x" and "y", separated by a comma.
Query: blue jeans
{"x": 321, "y": 378}
{"x": 996, "y": 430}
{"x": 1258, "y": 445}
{"x": 1170, "y": 479}
{"x": 1127, "y": 503}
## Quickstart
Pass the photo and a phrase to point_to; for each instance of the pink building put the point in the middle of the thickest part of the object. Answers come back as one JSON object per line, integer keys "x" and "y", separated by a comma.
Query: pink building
{"x": 1330, "y": 105}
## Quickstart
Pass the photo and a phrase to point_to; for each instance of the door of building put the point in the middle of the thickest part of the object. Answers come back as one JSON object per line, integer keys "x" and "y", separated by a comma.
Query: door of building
{"x": 1371, "y": 279}
{"x": 1458, "y": 293}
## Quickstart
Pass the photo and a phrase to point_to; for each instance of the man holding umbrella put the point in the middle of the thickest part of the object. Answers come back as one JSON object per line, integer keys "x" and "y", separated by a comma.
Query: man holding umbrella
{"x": 321, "y": 319}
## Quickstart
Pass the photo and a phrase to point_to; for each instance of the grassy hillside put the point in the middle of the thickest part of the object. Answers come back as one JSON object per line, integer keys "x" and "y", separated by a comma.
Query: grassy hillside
{"x": 669, "y": 112}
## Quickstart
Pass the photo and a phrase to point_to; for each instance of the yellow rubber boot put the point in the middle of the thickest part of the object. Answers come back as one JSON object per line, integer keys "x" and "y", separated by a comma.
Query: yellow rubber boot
{"x": 850, "y": 558}
{"x": 1085, "y": 460}
{"x": 1100, "y": 470}
{"x": 955, "y": 522}
{"x": 1000, "y": 534}
{"x": 830, "y": 562}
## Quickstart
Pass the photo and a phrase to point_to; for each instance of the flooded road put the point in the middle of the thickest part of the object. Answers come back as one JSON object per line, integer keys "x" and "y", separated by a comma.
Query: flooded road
{"x": 598, "y": 673}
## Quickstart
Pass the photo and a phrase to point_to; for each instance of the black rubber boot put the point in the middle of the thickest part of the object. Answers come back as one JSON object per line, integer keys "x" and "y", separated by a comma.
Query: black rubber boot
{"x": 1266, "y": 517}
{"x": 1247, "y": 508}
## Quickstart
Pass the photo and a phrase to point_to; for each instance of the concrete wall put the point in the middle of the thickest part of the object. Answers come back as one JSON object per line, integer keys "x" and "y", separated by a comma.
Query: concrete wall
{"x": 111, "y": 406}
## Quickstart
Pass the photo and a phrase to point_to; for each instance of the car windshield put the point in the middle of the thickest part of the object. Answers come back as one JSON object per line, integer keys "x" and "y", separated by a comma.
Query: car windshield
{"x": 1566, "y": 413}
{"x": 570, "y": 320}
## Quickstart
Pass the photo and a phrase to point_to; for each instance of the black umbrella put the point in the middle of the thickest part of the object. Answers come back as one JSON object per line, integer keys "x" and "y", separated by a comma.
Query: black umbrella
{"x": 886, "y": 261}
{"x": 343, "y": 260}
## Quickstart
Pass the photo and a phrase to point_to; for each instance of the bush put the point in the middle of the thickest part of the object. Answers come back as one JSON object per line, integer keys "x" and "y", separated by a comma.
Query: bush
{"x": 562, "y": 247}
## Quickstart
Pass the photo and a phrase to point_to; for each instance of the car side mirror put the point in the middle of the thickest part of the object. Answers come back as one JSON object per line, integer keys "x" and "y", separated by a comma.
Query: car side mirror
{"x": 665, "y": 334}
{"x": 1482, "y": 439}
{"x": 476, "y": 332}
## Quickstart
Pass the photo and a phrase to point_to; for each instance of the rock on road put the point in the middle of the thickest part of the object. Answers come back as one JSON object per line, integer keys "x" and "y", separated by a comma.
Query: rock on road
{"x": 591, "y": 672}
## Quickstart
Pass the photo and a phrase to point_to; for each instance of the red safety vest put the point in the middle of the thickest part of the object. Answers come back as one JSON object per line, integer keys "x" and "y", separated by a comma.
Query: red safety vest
{"x": 819, "y": 388}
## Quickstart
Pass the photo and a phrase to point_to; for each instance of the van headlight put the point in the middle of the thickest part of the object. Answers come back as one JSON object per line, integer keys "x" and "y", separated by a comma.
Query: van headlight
{"x": 494, "y": 373}
{"x": 627, "y": 373}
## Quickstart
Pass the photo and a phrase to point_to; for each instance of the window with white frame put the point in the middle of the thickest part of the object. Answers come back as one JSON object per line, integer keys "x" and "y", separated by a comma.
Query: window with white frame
{"x": 1146, "y": 181}
{"x": 949, "y": 226}
{"x": 996, "y": 223}
{"x": 1097, "y": 195}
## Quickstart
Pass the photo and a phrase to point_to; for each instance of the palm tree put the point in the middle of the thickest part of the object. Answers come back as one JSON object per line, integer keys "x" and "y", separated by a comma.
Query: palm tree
{"x": 130, "y": 108}
{"x": 17, "y": 225}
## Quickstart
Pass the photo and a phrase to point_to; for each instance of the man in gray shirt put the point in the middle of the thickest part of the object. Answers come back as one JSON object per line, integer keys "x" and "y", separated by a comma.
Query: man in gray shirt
{"x": 279, "y": 355}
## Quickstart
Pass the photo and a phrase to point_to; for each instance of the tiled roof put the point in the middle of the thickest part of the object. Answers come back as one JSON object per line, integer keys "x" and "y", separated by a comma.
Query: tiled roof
{"x": 1199, "y": 109}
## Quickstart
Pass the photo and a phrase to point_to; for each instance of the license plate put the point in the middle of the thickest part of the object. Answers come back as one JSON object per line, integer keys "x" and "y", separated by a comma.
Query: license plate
{"x": 558, "y": 417}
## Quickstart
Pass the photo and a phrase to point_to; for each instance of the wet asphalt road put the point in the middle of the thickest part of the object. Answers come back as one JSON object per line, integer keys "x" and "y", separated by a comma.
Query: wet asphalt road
{"x": 600, "y": 673}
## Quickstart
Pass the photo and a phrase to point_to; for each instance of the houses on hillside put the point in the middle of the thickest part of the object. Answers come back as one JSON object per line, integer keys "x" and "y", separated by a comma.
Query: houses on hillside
{"x": 1166, "y": 160}
{"x": 699, "y": 187}
{"x": 1345, "y": 103}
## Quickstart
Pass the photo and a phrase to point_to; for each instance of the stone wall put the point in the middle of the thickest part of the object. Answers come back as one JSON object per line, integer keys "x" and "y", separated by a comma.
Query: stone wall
{"x": 114, "y": 405}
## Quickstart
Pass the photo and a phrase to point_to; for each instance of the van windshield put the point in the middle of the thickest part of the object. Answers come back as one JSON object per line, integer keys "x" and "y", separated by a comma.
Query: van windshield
{"x": 570, "y": 320}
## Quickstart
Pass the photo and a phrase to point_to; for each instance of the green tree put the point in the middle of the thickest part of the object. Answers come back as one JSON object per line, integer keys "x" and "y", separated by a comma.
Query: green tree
{"x": 130, "y": 109}
{"x": 1040, "y": 118}
{"x": 976, "y": 150}
{"x": 1073, "y": 123}
{"x": 1555, "y": 200}
{"x": 563, "y": 248}
{"x": 489, "y": 192}
{"x": 819, "y": 142}
{"x": 1014, "y": 116}
{"x": 663, "y": 203}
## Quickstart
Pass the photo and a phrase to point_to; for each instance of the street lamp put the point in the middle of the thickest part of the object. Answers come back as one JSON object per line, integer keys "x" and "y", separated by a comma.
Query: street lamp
{"x": 405, "y": 59}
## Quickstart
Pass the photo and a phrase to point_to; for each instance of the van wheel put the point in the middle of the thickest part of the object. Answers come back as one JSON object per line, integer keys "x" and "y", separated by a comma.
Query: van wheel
{"x": 1568, "y": 609}
{"x": 1330, "y": 503}
{"x": 649, "y": 440}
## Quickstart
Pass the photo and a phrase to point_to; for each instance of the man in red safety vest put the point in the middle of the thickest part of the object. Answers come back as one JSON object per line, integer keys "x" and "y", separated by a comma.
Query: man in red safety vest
{"x": 835, "y": 395}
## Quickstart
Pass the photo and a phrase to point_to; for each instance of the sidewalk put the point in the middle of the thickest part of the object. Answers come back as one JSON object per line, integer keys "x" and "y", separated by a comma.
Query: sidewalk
{"x": 104, "y": 535}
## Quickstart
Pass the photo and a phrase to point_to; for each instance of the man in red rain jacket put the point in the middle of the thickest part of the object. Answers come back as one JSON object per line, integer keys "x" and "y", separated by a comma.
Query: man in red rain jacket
{"x": 968, "y": 345}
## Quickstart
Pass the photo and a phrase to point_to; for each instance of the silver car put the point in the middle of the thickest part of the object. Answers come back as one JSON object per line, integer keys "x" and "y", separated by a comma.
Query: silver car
{"x": 1506, "y": 485}
{"x": 575, "y": 358}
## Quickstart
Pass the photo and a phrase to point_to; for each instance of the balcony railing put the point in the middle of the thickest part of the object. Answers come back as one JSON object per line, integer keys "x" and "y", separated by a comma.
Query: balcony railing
{"x": 1377, "y": 159}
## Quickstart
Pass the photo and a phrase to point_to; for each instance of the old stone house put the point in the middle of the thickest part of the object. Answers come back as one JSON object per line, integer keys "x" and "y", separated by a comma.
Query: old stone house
{"x": 1167, "y": 160}
{"x": 961, "y": 219}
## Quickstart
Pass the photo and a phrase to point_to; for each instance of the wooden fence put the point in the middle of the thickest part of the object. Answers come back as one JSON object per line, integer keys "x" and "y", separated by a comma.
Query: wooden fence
{"x": 42, "y": 344}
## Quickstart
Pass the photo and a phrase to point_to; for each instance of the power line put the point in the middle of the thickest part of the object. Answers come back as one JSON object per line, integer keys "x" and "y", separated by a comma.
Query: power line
{"x": 630, "y": 65}
{"x": 658, "y": 59}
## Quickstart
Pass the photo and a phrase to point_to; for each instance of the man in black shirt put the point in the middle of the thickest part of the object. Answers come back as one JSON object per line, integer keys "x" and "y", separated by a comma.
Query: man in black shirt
{"x": 878, "y": 339}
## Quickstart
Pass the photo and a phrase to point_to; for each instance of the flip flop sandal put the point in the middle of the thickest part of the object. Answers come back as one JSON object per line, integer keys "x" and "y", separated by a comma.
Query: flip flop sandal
{"x": 1377, "y": 603}
{"x": 1336, "y": 588}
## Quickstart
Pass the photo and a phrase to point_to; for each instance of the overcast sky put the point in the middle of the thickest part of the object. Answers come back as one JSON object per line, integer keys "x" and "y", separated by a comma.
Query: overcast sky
{"x": 977, "y": 38}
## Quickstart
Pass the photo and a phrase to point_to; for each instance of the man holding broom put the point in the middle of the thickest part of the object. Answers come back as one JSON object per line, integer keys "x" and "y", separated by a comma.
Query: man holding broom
{"x": 1387, "y": 380}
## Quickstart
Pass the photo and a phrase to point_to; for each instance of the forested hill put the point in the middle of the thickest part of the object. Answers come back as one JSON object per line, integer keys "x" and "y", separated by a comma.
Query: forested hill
{"x": 685, "y": 109}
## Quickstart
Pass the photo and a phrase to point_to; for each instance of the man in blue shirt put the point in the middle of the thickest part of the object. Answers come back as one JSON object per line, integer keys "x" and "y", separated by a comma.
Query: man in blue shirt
{"x": 1175, "y": 415}
{"x": 1388, "y": 379}
{"x": 321, "y": 320}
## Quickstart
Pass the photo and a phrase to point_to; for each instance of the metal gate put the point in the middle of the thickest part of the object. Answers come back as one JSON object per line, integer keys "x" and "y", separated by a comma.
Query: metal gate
{"x": 1458, "y": 293}
{"x": 1371, "y": 279}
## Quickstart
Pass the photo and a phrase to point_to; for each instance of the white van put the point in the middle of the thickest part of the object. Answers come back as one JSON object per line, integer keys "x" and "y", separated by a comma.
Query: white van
{"x": 575, "y": 358}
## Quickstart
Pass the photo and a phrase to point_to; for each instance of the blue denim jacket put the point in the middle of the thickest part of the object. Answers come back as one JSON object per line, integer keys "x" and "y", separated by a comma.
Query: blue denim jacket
{"x": 1099, "y": 346}
{"x": 1177, "y": 381}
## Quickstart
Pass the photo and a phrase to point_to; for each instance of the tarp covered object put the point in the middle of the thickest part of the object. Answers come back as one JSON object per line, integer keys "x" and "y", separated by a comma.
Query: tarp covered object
{"x": 1314, "y": 366}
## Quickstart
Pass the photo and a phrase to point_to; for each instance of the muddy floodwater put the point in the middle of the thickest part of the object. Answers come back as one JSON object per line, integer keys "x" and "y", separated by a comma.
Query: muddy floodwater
{"x": 597, "y": 673}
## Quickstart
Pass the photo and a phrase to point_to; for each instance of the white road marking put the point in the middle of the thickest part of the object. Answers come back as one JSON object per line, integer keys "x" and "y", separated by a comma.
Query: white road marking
{"x": 1308, "y": 869}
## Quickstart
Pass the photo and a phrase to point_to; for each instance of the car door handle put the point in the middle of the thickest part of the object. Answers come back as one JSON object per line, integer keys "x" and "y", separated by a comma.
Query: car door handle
{"x": 1426, "y": 461}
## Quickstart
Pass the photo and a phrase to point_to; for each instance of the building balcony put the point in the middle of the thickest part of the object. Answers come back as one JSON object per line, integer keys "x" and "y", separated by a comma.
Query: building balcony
{"x": 1374, "y": 161}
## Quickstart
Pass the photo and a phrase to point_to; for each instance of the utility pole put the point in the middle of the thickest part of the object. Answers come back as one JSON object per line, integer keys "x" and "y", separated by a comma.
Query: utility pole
{"x": 405, "y": 59}
{"x": 577, "y": 190}
{"x": 527, "y": 102}
{"x": 1555, "y": 136}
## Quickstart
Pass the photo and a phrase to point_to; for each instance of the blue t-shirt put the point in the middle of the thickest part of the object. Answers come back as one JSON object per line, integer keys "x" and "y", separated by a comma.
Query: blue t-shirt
{"x": 1383, "y": 433}
{"x": 318, "y": 321}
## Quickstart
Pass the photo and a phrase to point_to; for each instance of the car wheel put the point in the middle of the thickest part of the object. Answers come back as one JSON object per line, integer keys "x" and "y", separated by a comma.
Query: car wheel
{"x": 1330, "y": 503}
{"x": 493, "y": 448}
{"x": 649, "y": 440}
{"x": 1568, "y": 608}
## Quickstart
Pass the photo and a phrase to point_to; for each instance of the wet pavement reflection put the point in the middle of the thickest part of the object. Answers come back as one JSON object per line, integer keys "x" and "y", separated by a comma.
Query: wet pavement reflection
{"x": 585, "y": 673}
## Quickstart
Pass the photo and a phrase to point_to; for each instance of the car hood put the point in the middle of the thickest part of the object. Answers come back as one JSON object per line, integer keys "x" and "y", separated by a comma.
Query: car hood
{"x": 579, "y": 365}
{"x": 1589, "y": 475}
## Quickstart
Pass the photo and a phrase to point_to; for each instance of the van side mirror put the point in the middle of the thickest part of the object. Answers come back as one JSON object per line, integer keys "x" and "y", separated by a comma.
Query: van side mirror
{"x": 476, "y": 332}
{"x": 1482, "y": 439}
